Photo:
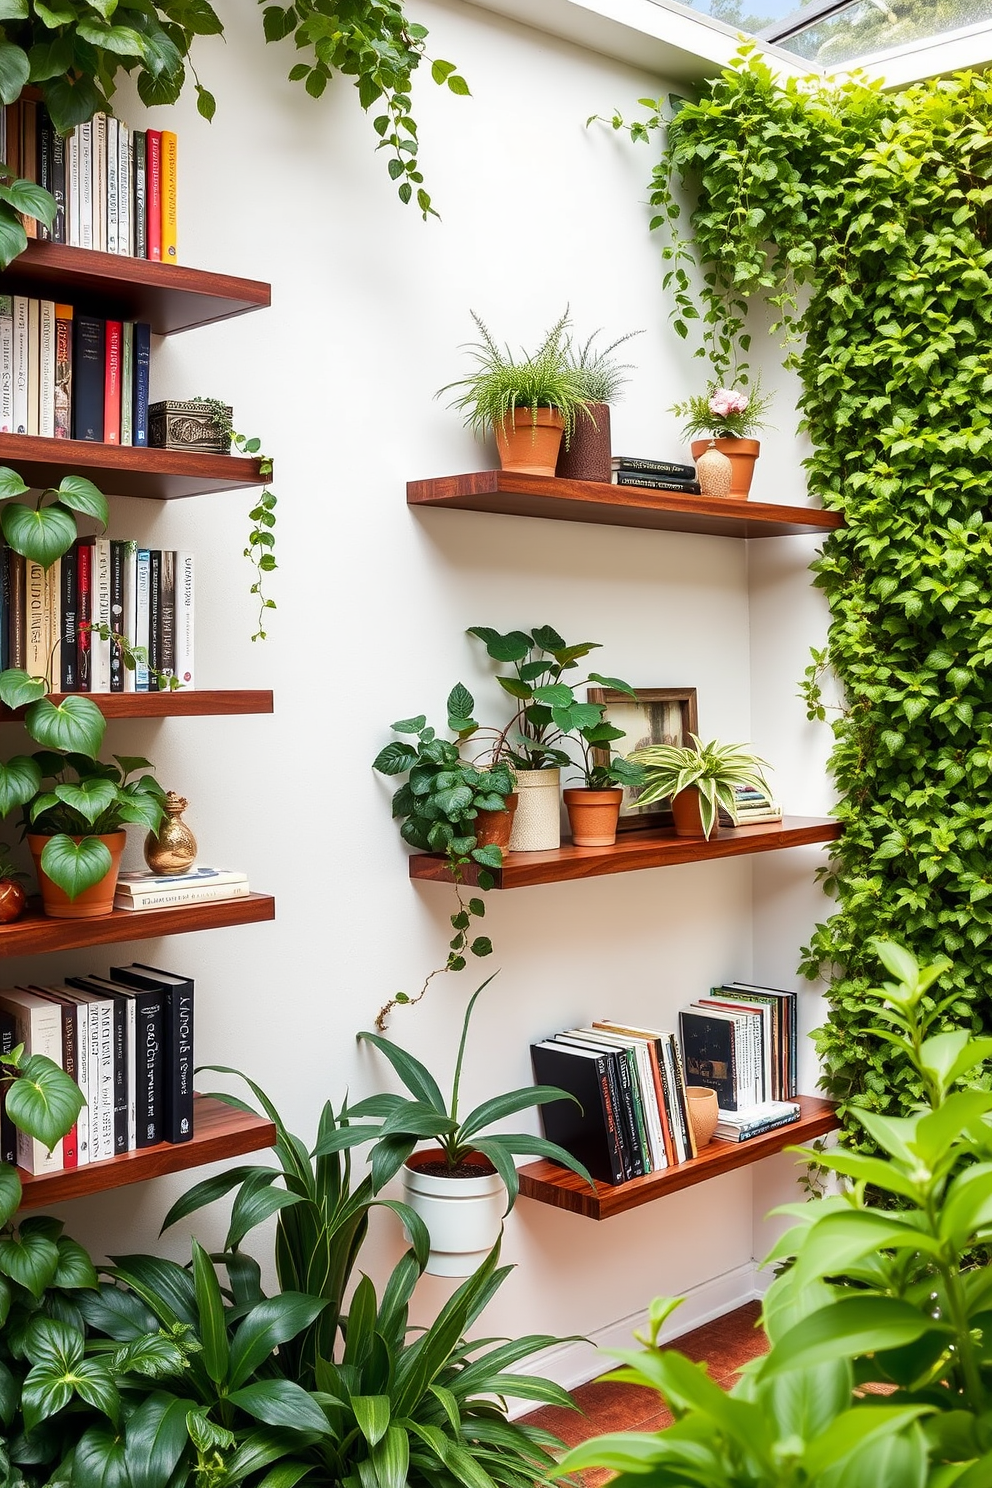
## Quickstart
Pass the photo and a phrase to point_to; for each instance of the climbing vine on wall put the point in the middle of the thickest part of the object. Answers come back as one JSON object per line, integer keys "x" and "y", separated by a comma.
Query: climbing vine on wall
{"x": 865, "y": 217}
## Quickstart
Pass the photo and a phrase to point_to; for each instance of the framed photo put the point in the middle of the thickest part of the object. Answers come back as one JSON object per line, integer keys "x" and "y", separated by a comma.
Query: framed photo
{"x": 658, "y": 715}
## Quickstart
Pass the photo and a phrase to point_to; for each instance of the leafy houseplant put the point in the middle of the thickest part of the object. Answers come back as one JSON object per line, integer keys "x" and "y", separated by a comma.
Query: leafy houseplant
{"x": 589, "y": 451}
{"x": 594, "y": 807}
{"x": 699, "y": 780}
{"x": 730, "y": 417}
{"x": 528, "y": 402}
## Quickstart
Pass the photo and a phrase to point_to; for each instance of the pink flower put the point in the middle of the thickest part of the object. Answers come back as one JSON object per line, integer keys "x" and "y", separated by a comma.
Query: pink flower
{"x": 724, "y": 402}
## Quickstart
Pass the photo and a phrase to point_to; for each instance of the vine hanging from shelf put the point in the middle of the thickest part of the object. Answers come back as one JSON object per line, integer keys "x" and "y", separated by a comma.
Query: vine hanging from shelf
{"x": 261, "y": 538}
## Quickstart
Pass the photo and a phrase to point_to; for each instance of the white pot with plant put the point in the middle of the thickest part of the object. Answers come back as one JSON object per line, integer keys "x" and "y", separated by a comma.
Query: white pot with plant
{"x": 729, "y": 417}
{"x": 698, "y": 780}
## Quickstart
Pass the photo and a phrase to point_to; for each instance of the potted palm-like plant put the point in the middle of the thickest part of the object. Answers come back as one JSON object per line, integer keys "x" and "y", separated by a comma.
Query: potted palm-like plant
{"x": 589, "y": 451}
{"x": 729, "y": 418}
{"x": 699, "y": 780}
{"x": 529, "y": 402}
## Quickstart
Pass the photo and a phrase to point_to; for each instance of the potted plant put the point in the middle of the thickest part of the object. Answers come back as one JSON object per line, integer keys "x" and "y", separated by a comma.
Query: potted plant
{"x": 594, "y": 806}
{"x": 529, "y": 402}
{"x": 729, "y": 417}
{"x": 588, "y": 454}
{"x": 548, "y": 711}
{"x": 464, "y": 1185}
{"x": 699, "y": 780}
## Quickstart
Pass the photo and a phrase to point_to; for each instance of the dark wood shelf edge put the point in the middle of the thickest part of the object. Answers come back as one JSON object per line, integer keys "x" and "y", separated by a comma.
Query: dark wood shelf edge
{"x": 141, "y": 471}
{"x": 36, "y": 934}
{"x": 219, "y": 1131}
{"x": 547, "y": 1183}
{"x": 180, "y": 704}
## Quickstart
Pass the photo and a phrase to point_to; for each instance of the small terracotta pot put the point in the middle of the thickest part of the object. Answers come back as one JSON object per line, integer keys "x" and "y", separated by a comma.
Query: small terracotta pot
{"x": 493, "y": 828}
{"x": 98, "y": 900}
{"x": 687, "y": 815}
{"x": 529, "y": 442}
{"x": 742, "y": 452}
{"x": 593, "y": 815}
{"x": 703, "y": 1113}
{"x": 589, "y": 450}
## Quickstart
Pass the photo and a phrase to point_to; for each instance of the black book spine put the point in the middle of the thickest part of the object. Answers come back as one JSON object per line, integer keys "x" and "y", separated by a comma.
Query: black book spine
{"x": 584, "y": 1126}
{"x": 139, "y": 176}
{"x": 154, "y": 614}
{"x": 45, "y": 174}
{"x": 58, "y": 186}
{"x": 117, "y": 551}
{"x": 141, "y": 352}
{"x": 656, "y": 482}
{"x": 167, "y": 614}
{"x": 619, "y": 1113}
{"x": 657, "y": 467}
{"x": 120, "y": 1075}
{"x": 629, "y": 1115}
{"x": 69, "y": 575}
{"x": 179, "y": 1067}
{"x": 4, "y": 606}
{"x": 89, "y": 356}
{"x": 8, "y": 1131}
{"x": 149, "y": 1066}
{"x": 758, "y": 1128}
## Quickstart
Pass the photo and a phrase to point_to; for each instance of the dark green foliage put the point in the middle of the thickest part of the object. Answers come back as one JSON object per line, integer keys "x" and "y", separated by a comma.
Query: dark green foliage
{"x": 877, "y": 206}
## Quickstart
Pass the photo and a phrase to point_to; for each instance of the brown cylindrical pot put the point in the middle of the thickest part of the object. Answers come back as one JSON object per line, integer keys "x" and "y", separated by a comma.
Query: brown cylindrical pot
{"x": 592, "y": 815}
{"x": 98, "y": 900}
{"x": 742, "y": 453}
{"x": 528, "y": 442}
{"x": 687, "y": 815}
{"x": 589, "y": 451}
{"x": 703, "y": 1113}
{"x": 492, "y": 828}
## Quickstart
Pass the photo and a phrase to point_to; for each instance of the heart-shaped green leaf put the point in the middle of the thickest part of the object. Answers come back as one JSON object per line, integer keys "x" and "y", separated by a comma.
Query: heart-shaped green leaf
{"x": 40, "y": 533}
{"x": 44, "y": 1101}
{"x": 75, "y": 724}
{"x": 30, "y": 1260}
{"x": 90, "y": 798}
{"x": 20, "y": 779}
{"x": 81, "y": 495}
{"x": 75, "y": 866}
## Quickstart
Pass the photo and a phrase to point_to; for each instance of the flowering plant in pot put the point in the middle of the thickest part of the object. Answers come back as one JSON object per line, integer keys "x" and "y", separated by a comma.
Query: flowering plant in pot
{"x": 588, "y": 454}
{"x": 463, "y": 1186}
{"x": 699, "y": 780}
{"x": 529, "y": 402}
{"x": 730, "y": 417}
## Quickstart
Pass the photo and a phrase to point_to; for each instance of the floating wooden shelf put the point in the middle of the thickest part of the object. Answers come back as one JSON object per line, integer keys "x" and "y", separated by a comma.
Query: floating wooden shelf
{"x": 168, "y": 296}
{"x": 634, "y": 850}
{"x": 35, "y": 933}
{"x": 126, "y": 470}
{"x": 550, "y": 1184}
{"x": 181, "y": 704}
{"x": 219, "y": 1131}
{"x": 512, "y": 495}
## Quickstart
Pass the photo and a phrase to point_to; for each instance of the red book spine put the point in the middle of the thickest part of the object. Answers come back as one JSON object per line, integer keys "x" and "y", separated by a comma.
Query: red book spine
{"x": 85, "y": 612}
{"x": 112, "y": 384}
{"x": 153, "y": 193}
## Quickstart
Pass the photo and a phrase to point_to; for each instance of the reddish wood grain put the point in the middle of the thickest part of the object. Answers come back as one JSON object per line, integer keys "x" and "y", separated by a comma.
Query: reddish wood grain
{"x": 170, "y": 297}
{"x": 219, "y": 1132}
{"x": 633, "y": 851}
{"x": 126, "y": 470}
{"x": 514, "y": 495}
{"x": 37, "y": 933}
{"x": 181, "y": 704}
{"x": 549, "y": 1184}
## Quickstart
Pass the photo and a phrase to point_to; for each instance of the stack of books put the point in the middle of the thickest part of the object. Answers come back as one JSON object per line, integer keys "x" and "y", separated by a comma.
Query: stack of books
{"x": 741, "y": 1041}
{"x": 70, "y": 376}
{"x": 754, "y": 1121}
{"x": 659, "y": 475}
{"x": 115, "y": 188}
{"x": 127, "y": 1041}
{"x": 199, "y": 885}
{"x": 750, "y": 807}
{"x": 144, "y": 594}
{"x": 632, "y": 1114}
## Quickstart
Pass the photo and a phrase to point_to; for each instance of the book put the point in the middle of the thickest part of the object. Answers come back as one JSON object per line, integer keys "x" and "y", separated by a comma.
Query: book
{"x": 129, "y": 619}
{"x": 71, "y": 1054}
{"x": 29, "y": 155}
{"x": 69, "y": 615}
{"x": 621, "y": 1100}
{"x": 17, "y": 628}
{"x": 8, "y": 1131}
{"x": 153, "y": 193}
{"x": 684, "y": 1133}
{"x": 6, "y": 364}
{"x": 648, "y": 1122}
{"x": 99, "y": 122}
{"x": 89, "y": 378}
{"x": 53, "y": 605}
{"x": 167, "y": 617}
{"x": 142, "y": 560}
{"x": 113, "y": 185}
{"x": 191, "y": 894}
{"x": 763, "y": 1038}
{"x": 127, "y": 382}
{"x": 62, "y": 410}
{"x": 141, "y": 880}
{"x": 753, "y": 1121}
{"x": 143, "y": 1023}
{"x": 59, "y": 186}
{"x": 34, "y": 366}
{"x": 85, "y": 134}
{"x": 99, "y": 1063}
{"x": 112, "y": 383}
{"x": 654, "y": 467}
{"x": 747, "y": 1059}
{"x": 36, "y": 619}
{"x": 184, "y": 668}
{"x": 655, "y": 482}
{"x": 46, "y": 136}
{"x": 125, "y": 220}
{"x": 709, "y": 1053}
{"x": 100, "y": 616}
{"x": 140, "y": 203}
{"x": 4, "y": 598}
{"x": 84, "y": 601}
{"x": 72, "y": 188}
{"x": 585, "y": 1127}
{"x": 659, "y": 1079}
{"x": 20, "y": 361}
{"x": 117, "y": 555}
{"x": 179, "y": 1015}
{"x": 169, "y": 190}
{"x": 38, "y": 1026}
{"x": 82, "y": 1075}
{"x": 46, "y": 369}
{"x": 123, "y": 1059}
{"x": 142, "y": 370}
{"x": 789, "y": 1019}
{"x": 154, "y": 615}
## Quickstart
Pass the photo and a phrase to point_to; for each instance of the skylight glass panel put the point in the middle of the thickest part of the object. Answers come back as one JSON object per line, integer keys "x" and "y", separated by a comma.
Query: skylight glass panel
{"x": 832, "y": 36}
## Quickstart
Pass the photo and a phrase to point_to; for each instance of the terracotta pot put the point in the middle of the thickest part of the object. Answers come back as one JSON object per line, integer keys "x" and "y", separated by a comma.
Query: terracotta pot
{"x": 463, "y": 1215}
{"x": 593, "y": 815}
{"x": 529, "y": 442}
{"x": 98, "y": 900}
{"x": 703, "y": 1113}
{"x": 492, "y": 828}
{"x": 742, "y": 452}
{"x": 686, "y": 814}
{"x": 537, "y": 821}
{"x": 589, "y": 450}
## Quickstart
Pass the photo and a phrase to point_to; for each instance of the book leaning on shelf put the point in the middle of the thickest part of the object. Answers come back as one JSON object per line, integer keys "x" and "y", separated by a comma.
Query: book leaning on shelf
{"x": 740, "y": 1041}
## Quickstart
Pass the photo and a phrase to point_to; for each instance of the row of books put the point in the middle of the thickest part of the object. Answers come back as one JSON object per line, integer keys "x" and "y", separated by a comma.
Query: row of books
{"x": 127, "y": 1041}
{"x": 659, "y": 475}
{"x": 70, "y": 376}
{"x": 741, "y": 1041}
{"x": 48, "y": 617}
{"x": 751, "y": 806}
{"x": 115, "y": 188}
{"x": 199, "y": 885}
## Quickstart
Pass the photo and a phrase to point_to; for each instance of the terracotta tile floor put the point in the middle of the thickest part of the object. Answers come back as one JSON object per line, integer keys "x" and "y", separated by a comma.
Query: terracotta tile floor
{"x": 724, "y": 1345}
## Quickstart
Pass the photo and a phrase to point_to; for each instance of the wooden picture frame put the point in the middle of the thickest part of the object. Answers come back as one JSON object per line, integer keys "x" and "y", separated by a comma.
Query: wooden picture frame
{"x": 648, "y": 718}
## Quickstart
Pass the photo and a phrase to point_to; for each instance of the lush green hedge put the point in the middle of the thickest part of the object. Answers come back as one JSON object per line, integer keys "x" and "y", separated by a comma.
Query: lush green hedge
{"x": 873, "y": 211}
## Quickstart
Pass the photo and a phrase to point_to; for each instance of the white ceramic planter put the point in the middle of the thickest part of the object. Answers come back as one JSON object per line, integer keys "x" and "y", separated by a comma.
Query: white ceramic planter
{"x": 463, "y": 1215}
{"x": 537, "y": 822}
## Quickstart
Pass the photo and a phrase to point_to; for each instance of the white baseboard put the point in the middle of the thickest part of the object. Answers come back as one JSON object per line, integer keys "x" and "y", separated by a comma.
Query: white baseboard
{"x": 573, "y": 1364}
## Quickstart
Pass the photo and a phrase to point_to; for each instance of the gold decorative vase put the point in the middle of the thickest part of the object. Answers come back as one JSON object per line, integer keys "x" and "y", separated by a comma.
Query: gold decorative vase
{"x": 173, "y": 850}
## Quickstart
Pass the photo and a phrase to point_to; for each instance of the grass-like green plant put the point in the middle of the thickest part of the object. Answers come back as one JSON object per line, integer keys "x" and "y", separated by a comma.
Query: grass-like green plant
{"x": 504, "y": 383}
{"x": 724, "y": 412}
{"x": 714, "y": 769}
{"x": 601, "y": 374}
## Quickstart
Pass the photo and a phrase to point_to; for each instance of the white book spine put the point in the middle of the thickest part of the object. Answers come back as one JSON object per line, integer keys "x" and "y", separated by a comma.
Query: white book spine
{"x": 142, "y": 580}
{"x": 72, "y": 188}
{"x": 34, "y": 364}
{"x": 105, "y": 1096}
{"x": 46, "y": 389}
{"x": 675, "y": 1100}
{"x": 100, "y": 182}
{"x": 20, "y": 364}
{"x": 99, "y": 648}
{"x": 184, "y": 619}
{"x": 649, "y": 1101}
{"x": 6, "y": 362}
{"x": 166, "y": 898}
{"x": 113, "y": 198}
{"x": 130, "y": 620}
{"x": 85, "y": 132}
{"x": 125, "y": 226}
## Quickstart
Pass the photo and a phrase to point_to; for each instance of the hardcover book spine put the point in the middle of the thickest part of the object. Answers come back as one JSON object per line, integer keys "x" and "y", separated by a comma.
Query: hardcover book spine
{"x": 69, "y": 681}
{"x": 170, "y": 208}
{"x": 63, "y": 372}
{"x": 4, "y": 604}
{"x": 89, "y": 378}
{"x": 8, "y": 1131}
{"x": 140, "y": 200}
{"x": 29, "y": 155}
{"x": 17, "y": 616}
{"x": 6, "y": 364}
{"x": 100, "y": 602}
{"x": 154, "y": 616}
{"x": 84, "y": 593}
{"x": 681, "y": 1099}
{"x": 125, "y": 226}
{"x": 113, "y": 188}
{"x": 47, "y": 369}
{"x": 72, "y": 188}
{"x": 116, "y": 613}
{"x": 142, "y": 374}
{"x": 635, "y": 1122}
{"x": 193, "y": 894}
{"x": 99, "y": 122}
{"x": 53, "y": 620}
{"x": 34, "y": 365}
{"x": 107, "y": 1083}
{"x": 70, "y": 1065}
{"x": 153, "y": 193}
{"x": 85, "y": 133}
{"x": 20, "y": 364}
{"x": 36, "y": 589}
{"x": 184, "y": 619}
{"x": 59, "y": 185}
{"x": 150, "y": 1024}
{"x": 129, "y": 625}
{"x": 618, "y": 1107}
{"x": 141, "y": 585}
{"x": 758, "y": 1128}
{"x": 127, "y": 382}
{"x": 112, "y": 384}
{"x": 179, "y": 1097}
{"x": 45, "y": 168}
{"x": 656, "y": 467}
{"x": 655, "y": 482}
{"x": 84, "y": 1123}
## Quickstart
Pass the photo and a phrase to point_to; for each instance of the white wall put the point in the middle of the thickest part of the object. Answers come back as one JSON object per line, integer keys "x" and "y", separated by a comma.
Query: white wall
{"x": 370, "y": 306}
